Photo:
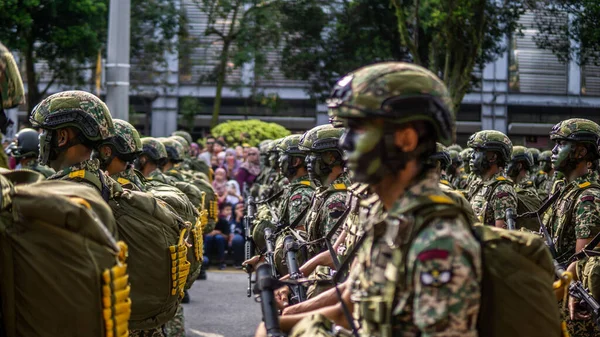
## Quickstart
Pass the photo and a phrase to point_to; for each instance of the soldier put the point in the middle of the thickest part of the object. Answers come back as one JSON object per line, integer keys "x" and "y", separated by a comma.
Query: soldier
{"x": 545, "y": 178}
{"x": 453, "y": 169}
{"x": 491, "y": 196}
{"x": 326, "y": 169}
{"x": 175, "y": 156}
{"x": 73, "y": 124}
{"x": 25, "y": 149}
{"x": 574, "y": 218}
{"x": 122, "y": 149}
{"x": 535, "y": 154}
{"x": 519, "y": 169}
{"x": 467, "y": 176}
{"x": 396, "y": 112}
{"x": 151, "y": 159}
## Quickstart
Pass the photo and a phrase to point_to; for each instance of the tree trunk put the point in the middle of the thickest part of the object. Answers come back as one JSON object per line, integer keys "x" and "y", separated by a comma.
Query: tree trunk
{"x": 33, "y": 92}
{"x": 220, "y": 83}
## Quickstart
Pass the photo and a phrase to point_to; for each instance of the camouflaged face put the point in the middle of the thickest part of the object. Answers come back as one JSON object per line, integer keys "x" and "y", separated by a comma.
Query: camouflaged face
{"x": 155, "y": 145}
{"x": 185, "y": 135}
{"x": 308, "y": 139}
{"x": 43, "y": 115}
{"x": 175, "y": 146}
{"x": 128, "y": 136}
{"x": 11, "y": 85}
{"x": 183, "y": 142}
{"x": 574, "y": 128}
{"x": 465, "y": 154}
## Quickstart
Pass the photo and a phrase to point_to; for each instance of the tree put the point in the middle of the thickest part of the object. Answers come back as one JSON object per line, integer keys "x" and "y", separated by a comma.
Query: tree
{"x": 245, "y": 30}
{"x": 561, "y": 21}
{"x": 65, "y": 34}
{"x": 451, "y": 37}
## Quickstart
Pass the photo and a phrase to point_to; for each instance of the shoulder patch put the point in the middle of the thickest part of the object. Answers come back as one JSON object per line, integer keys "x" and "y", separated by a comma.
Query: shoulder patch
{"x": 585, "y": 184}
{"x": 433, "y": 254}
{"x": 335, "y": 205}
{"x": 296, "y": 197}
{"x": 588, "y": 198}
{"x": 77, "y": 174}
{"x": 502, "y": 194}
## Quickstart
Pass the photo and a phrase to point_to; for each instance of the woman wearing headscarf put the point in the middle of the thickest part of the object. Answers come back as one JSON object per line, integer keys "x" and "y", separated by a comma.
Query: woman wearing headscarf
{"x": 249, "y": 170}
{"x": 231, "y": 164}
{"x": 220, "y": 184}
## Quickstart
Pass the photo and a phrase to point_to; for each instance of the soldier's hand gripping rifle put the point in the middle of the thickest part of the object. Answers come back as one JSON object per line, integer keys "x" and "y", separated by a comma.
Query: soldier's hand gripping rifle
{"x": 270, "y": 253}
{"x": 249, "y": 244}
{"x": 265, "y": 287}
{"x": 291, "y": 248}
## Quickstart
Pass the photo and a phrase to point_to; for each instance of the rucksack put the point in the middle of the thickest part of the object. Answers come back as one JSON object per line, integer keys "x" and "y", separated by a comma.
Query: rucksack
{"x": 517, "y": 298}
{"x": 158, "y": 265}
{"x": 182, "y": 205}
{"x": 62, "y": 271}
{"x": 526, "y": 203}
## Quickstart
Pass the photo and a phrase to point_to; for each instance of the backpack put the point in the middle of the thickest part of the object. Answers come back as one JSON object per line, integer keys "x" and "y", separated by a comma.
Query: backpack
{"x": 62, "y": 271}
{"x": 517, "y": 298}
{"x": 158, "y": 265}
{"x": 182, "y": 206}
{"x": 526, "y": 202}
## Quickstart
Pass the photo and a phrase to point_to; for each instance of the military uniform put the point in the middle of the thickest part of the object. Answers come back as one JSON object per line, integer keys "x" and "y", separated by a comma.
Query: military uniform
{"x": 35, "y": 166}
{"x": 491, "y": 198}
{"x": 439, "y": 293}
{"x": 528, "y": 187}
{"x": 88, "y": 172}
{"x": 129, "y": 180}
{"x": 544, "y": 184}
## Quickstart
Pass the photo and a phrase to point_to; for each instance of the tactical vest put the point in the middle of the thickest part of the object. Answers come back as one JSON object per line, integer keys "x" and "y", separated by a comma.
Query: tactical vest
{"x": 488, "y": 191}
{"x": 313, "y": 223}
{"x": 563, "y": 208}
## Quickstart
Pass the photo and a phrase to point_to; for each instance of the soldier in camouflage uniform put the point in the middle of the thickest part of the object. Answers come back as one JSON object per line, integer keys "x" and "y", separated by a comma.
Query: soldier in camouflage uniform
{"x": 193, "y": 162}
{"x": 396, "y": 112}
{"x": 545, "y": 178}
{"x": 326, "y": 170}
{"x": 535, "y": 154}
{"x": 151, "y": 159}
{"x": 25, "y": 149}
{"x": 73, "y": 124}
{"x": 467, "y": 176}
{"x": 574, "y": 218}
{"x": 121, "y": 150}
{"x": 494, "y": 193}
{"x": 519, "y": 171}
{"x": 453, "y": 169}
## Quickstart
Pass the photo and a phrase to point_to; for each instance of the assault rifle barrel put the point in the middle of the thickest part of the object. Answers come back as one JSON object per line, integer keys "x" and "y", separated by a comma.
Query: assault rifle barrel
{"x": 270, "y": 254}
{"x": 291, "y": 248}
{"x": 265, "y": 285}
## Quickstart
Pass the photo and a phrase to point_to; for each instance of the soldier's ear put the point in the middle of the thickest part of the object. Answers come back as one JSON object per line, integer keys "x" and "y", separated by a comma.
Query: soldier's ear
{"x": 580, "y": 151}
{"x": 406, "y": 139}
{"x": 62, "y": 137}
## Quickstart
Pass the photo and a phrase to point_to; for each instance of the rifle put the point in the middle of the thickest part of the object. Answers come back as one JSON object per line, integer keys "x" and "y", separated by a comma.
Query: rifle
{"x": 249, "y": 244}
{"x": 265, "y": 285}
{"x": 576, "y": 289}
{"x": 270, "y": 254}
{"x": 510, "y": 219}
{"x": 291, "y": 248}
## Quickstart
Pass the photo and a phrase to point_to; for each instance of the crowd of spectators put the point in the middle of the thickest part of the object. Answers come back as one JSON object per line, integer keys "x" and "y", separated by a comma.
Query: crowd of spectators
{"x": 235, "y": 169}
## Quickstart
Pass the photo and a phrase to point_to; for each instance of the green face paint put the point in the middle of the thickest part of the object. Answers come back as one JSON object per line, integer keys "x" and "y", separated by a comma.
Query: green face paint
{"x": 561, "y": 155}
{"x": 362, "y": 147}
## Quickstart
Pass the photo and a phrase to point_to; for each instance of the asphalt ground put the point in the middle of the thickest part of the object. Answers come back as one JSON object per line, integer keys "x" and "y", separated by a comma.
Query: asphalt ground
{"x": 219, "y": 306}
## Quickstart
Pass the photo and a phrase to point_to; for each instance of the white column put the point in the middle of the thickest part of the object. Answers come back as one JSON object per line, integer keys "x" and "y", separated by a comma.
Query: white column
{"x": 117, "y": 63}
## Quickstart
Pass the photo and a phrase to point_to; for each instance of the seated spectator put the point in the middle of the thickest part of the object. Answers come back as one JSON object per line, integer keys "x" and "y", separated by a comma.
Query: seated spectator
{"x": 216, "y": 240}
{"x": 231, "y": 164}
{"x": 239, "y": 153}
{"x": 221, "y": 159}
{"x": 195, "y": 150}
{"x": 249, "y": 170}
{"x": 220, "y": 185}
{"x": 233, "y": 193}
{"x": 237, "y": 238}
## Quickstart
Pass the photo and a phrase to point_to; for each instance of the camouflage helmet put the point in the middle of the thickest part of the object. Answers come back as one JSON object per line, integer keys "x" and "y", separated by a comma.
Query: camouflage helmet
{"x": 321, "y": 138}
{"x": 455, "y": 147}
{"x": 289, "y": 149}
{"x": 263, "y": 145}
{"x": 77, "y": 109}
{"x": 126, "y": 140}
{"x": 154, "y": 149}
{"x": 175, "y": 151}
{"x": 492, "y": 140}
{"x": 535, "y": 153}
{"x": 184, "y": 143}
{"x": 12, "y": 92}
{"x": 186, "y": 135}
{"x": 441, "y": 154}
{"x": 465, "y": 155}
{"x": 455, "y": 158}
{"x": 521, "y": 153}
{"x": 273, "y": 153}
{"x": 398, "y": 92}
{"x": 26, "y": 144}
{"x": 546, "y": 156}
{"x": 578, "y": 130}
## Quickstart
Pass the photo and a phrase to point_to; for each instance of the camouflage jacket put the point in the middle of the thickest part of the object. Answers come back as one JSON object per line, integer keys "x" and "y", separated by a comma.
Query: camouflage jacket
{"x": 129, "y": 180}
{"x": 527, "y": 186}
{"x": 460, "y": 200}
{"x": 88, "y": 172}
{"x": 296, "y": 198}
{"x": 35, "y": 166}
{"x": 445, "y": 180}
{"x": 425, "y": 286}
{"x": 491, "y": 198}
{"x": 157, "y": 175}
{"x": 544, "y": 183}
{"x": 574, "y": 215}
{"x": 327, "y": 206}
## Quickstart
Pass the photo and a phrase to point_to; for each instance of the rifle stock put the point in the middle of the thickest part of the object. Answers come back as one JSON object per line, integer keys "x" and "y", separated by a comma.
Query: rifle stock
{"x": 510, "y": 219}
{"x": 270, "y": 254}
{"x": 265, "y": 285}
{"x": 249, "y": 243}
{"x": 291, "y": 248}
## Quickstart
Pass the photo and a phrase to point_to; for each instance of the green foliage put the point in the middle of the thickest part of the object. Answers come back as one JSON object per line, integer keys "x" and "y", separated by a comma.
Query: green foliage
{"x": 561, "y": 21}
{"x": 189, "y": 107}
{"x": 256, "y": 129}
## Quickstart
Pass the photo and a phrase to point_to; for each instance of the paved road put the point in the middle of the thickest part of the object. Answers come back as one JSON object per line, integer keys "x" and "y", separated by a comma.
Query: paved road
{"x": 219, "y": 307}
